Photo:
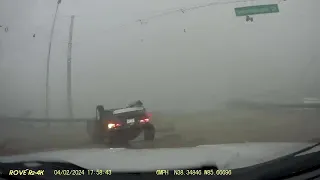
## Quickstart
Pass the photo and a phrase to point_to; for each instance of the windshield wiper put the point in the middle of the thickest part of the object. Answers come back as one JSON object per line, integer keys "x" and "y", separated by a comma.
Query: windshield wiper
{"x": 283, "y": 167}
{"x": 289, "y": 156}
{"x": 300, "y": 151}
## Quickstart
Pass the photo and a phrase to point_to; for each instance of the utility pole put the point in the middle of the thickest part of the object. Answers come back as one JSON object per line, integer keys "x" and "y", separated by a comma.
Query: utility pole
{"x": 69, "y": 83}
{"x": 48, "y": 61}
{"x": 1, "y": 53}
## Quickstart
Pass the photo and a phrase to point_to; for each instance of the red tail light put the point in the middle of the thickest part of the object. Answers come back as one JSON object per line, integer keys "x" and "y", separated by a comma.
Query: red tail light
{"x": 113, "y": 125}
{"x": 144, "y": 120}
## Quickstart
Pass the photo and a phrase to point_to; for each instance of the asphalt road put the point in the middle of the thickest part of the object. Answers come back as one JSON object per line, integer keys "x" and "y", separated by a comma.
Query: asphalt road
{"x": 231, "y": 126}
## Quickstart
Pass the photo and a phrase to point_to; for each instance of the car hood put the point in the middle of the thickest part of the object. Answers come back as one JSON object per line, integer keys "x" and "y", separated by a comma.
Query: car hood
{"x": 224, "y": 156}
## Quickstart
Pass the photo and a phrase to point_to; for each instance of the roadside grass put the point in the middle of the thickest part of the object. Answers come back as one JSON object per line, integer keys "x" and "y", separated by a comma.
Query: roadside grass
{"x": 239, "y": 125}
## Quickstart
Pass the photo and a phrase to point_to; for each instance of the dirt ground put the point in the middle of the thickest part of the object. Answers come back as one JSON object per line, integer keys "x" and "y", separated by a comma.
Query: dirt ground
{"x": 217, "y": 127}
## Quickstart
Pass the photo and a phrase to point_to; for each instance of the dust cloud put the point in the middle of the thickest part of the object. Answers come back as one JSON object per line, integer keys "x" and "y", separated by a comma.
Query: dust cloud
{"x": 176, "y": 63}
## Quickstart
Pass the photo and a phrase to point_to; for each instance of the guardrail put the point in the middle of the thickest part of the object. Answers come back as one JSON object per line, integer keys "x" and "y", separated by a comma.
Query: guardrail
{"x": 44, "y": 120}
{"x": 67, "y": 122}
{"x": 256, "y": 105}
{"x": 311, "y": 106}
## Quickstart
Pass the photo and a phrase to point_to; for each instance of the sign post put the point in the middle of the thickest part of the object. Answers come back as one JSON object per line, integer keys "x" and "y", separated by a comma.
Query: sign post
{"x": 261, "y": 9}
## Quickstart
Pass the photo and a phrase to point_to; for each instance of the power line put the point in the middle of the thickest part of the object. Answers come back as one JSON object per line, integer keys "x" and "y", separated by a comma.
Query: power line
{"x": 144, "y": 21}
{"x": 183, "y": 10}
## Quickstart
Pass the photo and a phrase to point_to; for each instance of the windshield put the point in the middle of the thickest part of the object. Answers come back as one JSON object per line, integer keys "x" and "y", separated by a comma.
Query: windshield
{"x": 209, "y": 72}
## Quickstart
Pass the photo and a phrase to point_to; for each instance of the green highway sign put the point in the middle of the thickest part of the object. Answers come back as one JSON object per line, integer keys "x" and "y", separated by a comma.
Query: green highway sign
{"x": 251, "y": 10}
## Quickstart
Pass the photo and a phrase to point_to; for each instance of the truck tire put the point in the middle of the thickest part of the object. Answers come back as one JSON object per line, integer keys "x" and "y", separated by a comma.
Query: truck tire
{"x": 99, "y": 112}
{"x": 149, "y": 132}
{"x": 94, "y": 128}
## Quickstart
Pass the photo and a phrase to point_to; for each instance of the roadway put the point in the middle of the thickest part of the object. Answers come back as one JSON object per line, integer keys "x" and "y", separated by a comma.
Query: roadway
{"x": 231, "y": 126}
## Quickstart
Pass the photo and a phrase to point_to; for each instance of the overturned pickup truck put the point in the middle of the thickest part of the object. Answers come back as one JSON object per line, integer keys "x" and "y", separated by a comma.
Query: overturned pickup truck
{"x": 121, "y": 125}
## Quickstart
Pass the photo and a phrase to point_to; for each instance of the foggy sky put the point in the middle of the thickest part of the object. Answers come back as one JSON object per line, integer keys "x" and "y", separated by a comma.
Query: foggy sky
{"x": 219, "y": 57}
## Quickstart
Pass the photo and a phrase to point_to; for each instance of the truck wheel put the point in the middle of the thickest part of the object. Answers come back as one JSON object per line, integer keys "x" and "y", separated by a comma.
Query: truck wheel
{"x": 149, "y": 132}
{"x": 96, "y": 126}
{"x": 99, "y": 112}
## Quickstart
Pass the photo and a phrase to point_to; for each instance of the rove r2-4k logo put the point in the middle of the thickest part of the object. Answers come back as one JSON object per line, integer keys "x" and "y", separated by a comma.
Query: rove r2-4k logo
{"x": 26, "y": 172}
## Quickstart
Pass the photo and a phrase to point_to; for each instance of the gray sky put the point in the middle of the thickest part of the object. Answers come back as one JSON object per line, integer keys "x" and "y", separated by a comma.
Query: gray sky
{"x": 220, "y": 56}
